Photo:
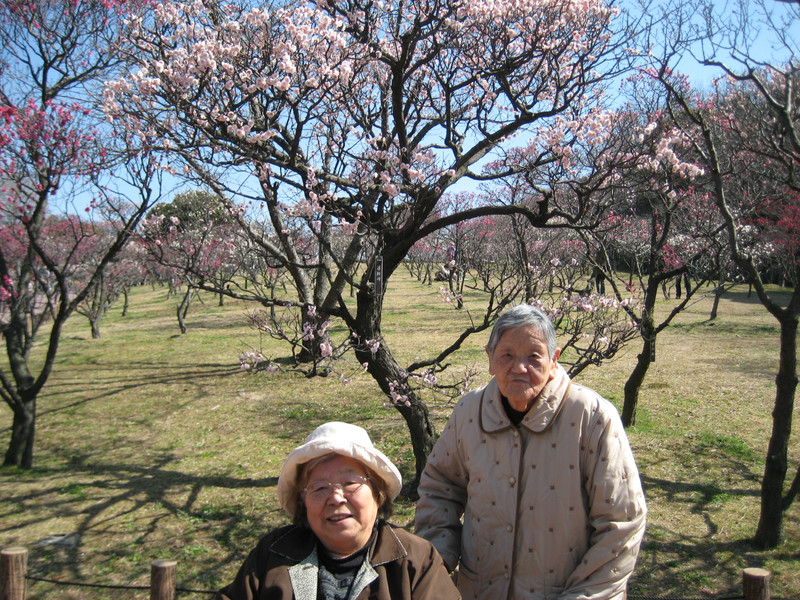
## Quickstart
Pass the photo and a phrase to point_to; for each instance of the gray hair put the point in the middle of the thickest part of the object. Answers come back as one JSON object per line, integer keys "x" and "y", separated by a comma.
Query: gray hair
{"x": 523, "y": 315}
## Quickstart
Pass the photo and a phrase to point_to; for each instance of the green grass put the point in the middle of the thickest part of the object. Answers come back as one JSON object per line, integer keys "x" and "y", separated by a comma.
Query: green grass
{"x": 734, "y": 447}
{"x": 152, "y": 444}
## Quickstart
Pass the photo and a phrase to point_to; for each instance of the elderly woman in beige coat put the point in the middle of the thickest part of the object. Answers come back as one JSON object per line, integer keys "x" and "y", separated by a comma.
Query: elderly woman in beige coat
{"x": 532, "y": 490}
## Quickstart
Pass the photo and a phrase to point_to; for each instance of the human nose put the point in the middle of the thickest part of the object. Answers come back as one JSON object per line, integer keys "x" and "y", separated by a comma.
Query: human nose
{"x": 336, "y": 494}
{"x": 519, "y": 364}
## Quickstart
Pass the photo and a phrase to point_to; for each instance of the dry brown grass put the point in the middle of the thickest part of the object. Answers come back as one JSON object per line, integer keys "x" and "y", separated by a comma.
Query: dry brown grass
{"x": 155, "y": 445}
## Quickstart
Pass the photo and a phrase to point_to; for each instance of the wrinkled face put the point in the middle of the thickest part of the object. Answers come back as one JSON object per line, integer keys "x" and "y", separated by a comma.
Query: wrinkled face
{"x": 342, "y": 521}
{"x": 521, "y": 365}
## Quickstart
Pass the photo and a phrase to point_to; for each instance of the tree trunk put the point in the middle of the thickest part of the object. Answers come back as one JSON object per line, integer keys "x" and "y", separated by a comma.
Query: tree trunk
{"x": 645, "y": 358}
{"x": 391, "y": 378}
{"x": 718, "y": 291}
{"x": 311, "y": 350}
{"x": 183, "y": 308}
{"x": 770, "y": 524}
{"x": 715, "y": 306}
{"x": 387, "y": 373}
{"x": 20, "y": 449}
{"x": 454, "y": 282}
{"x": 97, "y": 304}
{"x": 95, "y": 321}
{"x": 423, "y": 436}
{"x": 634, "y": 382}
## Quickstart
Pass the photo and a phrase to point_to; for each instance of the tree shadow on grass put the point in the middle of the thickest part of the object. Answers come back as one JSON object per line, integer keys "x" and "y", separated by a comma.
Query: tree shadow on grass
{"x": 696, "y": 561}
{"x": 745, "y": 296}
{"x": 150, "y": 374}
{"x": 124, "y": 513}
{"x": 137, "y": 504}
{"x": 143, "y": 502}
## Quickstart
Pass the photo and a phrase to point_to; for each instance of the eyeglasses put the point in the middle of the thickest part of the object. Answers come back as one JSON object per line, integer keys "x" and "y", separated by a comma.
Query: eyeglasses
{"x": 320, "y": 490}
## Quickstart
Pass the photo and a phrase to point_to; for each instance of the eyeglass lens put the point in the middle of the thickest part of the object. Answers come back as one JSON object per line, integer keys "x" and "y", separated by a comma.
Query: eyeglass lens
{"x": 323, "y": 489}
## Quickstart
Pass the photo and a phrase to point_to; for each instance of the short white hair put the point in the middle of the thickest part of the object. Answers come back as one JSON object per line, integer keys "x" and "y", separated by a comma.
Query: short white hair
{"x": 523, "y": 315}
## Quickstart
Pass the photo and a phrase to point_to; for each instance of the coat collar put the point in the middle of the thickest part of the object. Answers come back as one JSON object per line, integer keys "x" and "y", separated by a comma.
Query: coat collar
{"x": 304, "y": 577}
{"x": 540, "y": 417}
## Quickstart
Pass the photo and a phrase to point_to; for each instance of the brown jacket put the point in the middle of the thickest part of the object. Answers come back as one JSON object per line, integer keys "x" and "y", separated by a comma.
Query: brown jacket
{"x": 284, "y": 565}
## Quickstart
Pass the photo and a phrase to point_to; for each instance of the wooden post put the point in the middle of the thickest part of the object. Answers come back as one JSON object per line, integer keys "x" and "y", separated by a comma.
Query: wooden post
{"x": 162, "y": 579}
{"x": 755, "y": 584}
{"x": 13, "y": 568}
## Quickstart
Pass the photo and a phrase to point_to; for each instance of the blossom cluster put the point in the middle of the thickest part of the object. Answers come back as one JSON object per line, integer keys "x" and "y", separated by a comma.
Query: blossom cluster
{"x": 664, "y": 156}
{"x": 37, "y": 140}
{"x": 7, "y": 289}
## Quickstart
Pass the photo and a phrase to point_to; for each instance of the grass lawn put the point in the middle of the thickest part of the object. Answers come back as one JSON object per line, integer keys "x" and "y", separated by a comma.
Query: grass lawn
{"x": 152, "y": 444}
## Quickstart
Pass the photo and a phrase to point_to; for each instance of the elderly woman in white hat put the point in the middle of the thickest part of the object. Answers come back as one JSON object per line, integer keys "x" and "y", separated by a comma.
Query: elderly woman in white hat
{"x": 338, "y": 489}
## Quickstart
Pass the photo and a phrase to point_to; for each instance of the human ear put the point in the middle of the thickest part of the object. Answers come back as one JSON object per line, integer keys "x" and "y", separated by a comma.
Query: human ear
{"x": 554, "y": 364}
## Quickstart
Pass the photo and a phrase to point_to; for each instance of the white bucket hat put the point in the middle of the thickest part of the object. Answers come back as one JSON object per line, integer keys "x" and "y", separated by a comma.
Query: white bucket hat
{"x": 338, "y": 438}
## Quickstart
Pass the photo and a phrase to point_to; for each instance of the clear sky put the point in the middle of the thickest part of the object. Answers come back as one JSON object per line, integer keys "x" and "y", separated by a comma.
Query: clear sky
{"x": 770, "y": 34}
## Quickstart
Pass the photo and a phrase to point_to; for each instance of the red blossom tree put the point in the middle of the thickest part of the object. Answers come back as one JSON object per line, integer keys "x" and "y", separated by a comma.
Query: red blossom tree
{"x": 664, "y": 233}
{"x": 53, "y": 53}
{"x": 746, "y": 134}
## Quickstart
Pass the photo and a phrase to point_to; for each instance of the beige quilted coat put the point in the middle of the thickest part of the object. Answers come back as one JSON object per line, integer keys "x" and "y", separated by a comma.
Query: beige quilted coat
{"x": 551, "y": 509}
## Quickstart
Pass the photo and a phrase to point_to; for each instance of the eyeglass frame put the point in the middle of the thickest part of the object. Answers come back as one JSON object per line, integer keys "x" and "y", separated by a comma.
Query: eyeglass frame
{"x": 331, "y": 486}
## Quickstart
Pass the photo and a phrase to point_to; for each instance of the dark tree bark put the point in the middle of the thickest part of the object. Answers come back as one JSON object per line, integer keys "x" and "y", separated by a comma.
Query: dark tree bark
{"x": 636, "y": 378}
{"x": 23, "y": 428}
{"x": 386, "y": 371}
{"x": 769, "y": 532}
{"x": 715, "y": 306}
{"x": 183, "y": 308}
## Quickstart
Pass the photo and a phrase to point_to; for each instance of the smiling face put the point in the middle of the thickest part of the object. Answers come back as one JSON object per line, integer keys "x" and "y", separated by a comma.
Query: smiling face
{"x": 522, "y": 365}
{"x": 342, "y": 522}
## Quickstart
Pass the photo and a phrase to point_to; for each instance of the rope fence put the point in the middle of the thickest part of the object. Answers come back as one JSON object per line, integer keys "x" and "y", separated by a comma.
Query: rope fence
{"x": 163, "y": 577}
